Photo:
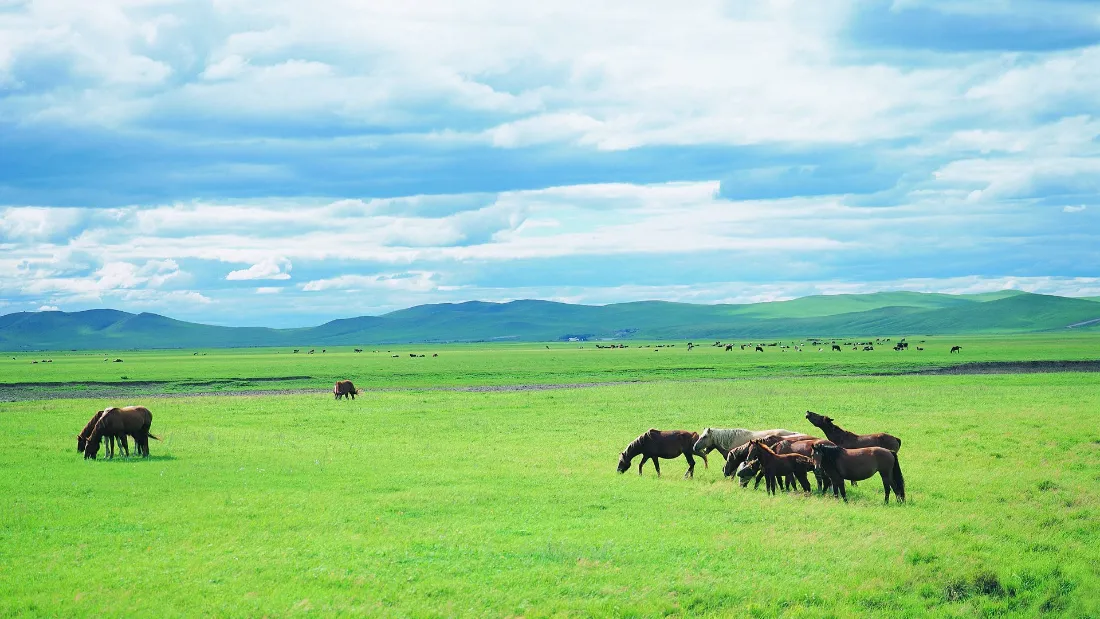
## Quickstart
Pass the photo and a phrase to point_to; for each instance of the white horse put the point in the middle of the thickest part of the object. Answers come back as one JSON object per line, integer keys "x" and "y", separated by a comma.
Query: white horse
{"x": 725, "y": 439}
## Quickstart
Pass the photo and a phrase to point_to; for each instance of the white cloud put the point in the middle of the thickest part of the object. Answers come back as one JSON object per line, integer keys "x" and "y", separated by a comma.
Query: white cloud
{"x": 1073, "y": 209}
{"x": 268, "y": 290}
{"x": 49, "y": 308}
{"x": 417, "y": 281}
{"x": 272, "y": 268}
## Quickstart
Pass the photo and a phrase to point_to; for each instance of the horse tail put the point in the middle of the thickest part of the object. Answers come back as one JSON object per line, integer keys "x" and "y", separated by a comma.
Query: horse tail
{"x": 899, "y": 443}
{"x": 153, "y": 436}
{"x": 899, "y": 481}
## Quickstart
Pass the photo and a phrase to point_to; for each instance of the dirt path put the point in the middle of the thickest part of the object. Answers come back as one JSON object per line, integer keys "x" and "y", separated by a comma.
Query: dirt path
{"x": 22, "y": 392}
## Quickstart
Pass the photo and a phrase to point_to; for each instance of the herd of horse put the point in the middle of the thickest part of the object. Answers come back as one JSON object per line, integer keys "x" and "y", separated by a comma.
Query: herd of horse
{"x": 780, "y": 457}
{"x": 112, "y": 425}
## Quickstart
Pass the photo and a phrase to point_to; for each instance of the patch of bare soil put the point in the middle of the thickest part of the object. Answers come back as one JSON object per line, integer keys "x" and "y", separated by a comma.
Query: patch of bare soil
{"x": 1016, "y": 367}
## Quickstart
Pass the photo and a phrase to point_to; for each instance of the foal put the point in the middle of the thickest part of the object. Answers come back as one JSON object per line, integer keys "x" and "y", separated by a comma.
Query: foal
{"x": 780, "y": 465}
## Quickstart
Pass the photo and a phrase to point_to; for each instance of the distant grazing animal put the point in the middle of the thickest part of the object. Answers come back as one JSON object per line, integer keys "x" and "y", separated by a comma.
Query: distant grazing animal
{"x": 132, "y": 420}
{"x": 729, "y": 347}
{"x": 323, "y": 350}
{"x": 117, "y": 361}
{"x": 836, "y": 348}
{"x": 919, "y": 348}
{"x": 957, "y": 349}
{"x": 868, "y": 348}
{"x": 437, "y": 354}
{"x": 859, "y": 464}
{"x": 358, "y": 350}
{"x": 654, "y": 444}
{"x": 344, "y": 389}
{"x": 781, "y": 465}
{"x": 759, "y": 349}
{"x": 844, "y": 438}
{"x": 725, "y": 439}
{"x": 396, "y": 357}
{"x": 413, "y": 355}
{"x": 296, "y": 350}
{"x": 310, "y": 352}
{"x": 82, "y": 438}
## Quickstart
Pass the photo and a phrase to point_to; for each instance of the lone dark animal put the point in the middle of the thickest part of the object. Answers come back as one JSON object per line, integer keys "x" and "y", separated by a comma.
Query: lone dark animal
{"x": 849, "y": 440}
{"x": 836, "y": 348}
{"x": 729, "y": 347}
{"x": 859, "y": 464}
{"x": 957, "y": 349}
{"x": 759, "y": 349}
{"x": 344, "y": 389}
{"x": 654, "y": 444}
{"x": 435, "y": 354}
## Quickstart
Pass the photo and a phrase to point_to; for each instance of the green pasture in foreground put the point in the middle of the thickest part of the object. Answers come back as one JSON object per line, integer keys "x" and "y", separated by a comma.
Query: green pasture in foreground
{"x": 501, "y": 364}
{"x": 435, "y": 503}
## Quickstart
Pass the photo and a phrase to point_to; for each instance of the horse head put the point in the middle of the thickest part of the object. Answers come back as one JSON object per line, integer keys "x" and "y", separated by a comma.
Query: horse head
{"x": 704, "y": 444}
{"x": 624, "y": 463}
{"x": 818, "y": 420}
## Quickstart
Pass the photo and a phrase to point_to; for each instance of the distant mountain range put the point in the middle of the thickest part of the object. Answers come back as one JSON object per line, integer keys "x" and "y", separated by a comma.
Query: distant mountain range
{"x": 886, "y": 313}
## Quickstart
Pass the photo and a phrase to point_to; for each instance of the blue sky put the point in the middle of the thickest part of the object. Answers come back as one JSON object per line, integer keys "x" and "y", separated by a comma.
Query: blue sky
{"x": 283, "y": 163}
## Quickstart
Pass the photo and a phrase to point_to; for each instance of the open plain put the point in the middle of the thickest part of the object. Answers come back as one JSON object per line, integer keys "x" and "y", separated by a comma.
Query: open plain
{"x": 482, "y": 482}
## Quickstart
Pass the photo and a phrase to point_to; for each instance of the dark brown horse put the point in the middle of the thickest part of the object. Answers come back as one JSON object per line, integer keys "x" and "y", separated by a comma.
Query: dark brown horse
{"x": 82, "y": 438}
{"x": 132, "y": 420}
{"x": 739, "y": 455}
{"x": 859, "y": 464}
{"x": 654, "y": 444}
{"x": 778, "y": 466}
{"x": 805, "y": 447}
{"x": 345, "y": 389}
{"x": 848, "y": 440}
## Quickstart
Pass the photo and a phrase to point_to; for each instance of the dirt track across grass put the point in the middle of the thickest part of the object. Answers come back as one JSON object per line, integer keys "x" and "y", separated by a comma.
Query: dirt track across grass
{"x": 21, "y": 392}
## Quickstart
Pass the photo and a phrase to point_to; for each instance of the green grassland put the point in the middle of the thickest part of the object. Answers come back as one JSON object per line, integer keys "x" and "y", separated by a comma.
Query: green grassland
{"x": 502, "y": 364}
{"x": 415, "y": 501}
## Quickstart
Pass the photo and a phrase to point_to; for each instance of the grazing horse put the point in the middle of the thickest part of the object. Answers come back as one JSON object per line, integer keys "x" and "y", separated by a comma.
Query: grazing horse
{"x": 859, "y": 464}
{"x": 82, "y": 438}
{"x": 132, "y": 420}
{"x": 656, "y": 444}
{"x": 725, "y": 439}
{"x": 844, "y": 438}
{"x": 344, "y": 389}
{"x": 957, "y": 349}
{"x": 781, "y": 465}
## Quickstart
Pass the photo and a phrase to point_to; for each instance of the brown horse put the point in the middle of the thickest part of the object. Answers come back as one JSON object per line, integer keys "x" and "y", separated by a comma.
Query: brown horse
{"x": 859, "y": 464}
{"x": 132, "y": 420}
{"x": 778, "y": 466}
{"x": 848, "y": 440}
{"x": 805, "y": 447}
{"x": 344, "y": 388}
{"x": 738, "y": 455}
{"x": 82, "y": 438}
{"x": 654, "y": 444}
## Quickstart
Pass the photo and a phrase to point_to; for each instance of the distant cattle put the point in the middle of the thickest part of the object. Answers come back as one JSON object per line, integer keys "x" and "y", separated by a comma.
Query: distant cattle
{"x": 117, "y": 361}
{"x": 729, "y": 347}
{"x": 836, "y": 348}
{"x": 396, "y": 357}
{"x": 311, "y": 352}
{"x": 919, "y": 348}
{"x": 957, "y": 349}
{"x": 358, "y": 350}
{"x": 759, "y": 349}
{"x": 437, "y": 354}
{"x": 868, "y": 348}
{"x": 297, "y": 350}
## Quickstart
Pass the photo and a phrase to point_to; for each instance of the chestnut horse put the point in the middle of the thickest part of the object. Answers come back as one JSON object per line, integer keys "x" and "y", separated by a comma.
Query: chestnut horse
{"x": 654, "y": 444}
{"x": 859, "y": 464}
{"x": 849, "y": 440}
{"x": 739, "y": 455}
{"x": 781, "y": 465}
{"x": 132, "y": 420}
{"x": 345, "y": 389}
{"x": 82, "y": 438}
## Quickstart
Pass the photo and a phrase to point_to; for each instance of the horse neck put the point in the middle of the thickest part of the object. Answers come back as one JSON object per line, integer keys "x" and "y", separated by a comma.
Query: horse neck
{"x": 838, "y": 434}
{"x": 87, "y": 431}
{"x": 634, "y": 448}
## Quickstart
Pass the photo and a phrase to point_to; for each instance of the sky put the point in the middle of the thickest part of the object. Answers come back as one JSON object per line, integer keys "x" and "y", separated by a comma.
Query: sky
{"x": 283, "y": 163}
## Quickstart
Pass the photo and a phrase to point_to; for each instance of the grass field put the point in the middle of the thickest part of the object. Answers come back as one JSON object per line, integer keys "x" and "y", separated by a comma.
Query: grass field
{"x": 421, "y": 502}
{"x": 503, "y": 364}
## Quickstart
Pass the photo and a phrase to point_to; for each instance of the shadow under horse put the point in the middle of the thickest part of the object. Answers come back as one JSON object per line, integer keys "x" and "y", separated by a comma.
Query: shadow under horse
{"x": 668, "y": 444}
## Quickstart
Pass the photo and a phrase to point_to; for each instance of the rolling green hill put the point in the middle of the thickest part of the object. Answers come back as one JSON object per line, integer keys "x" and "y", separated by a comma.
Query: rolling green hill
{"x": 890, "y": 313}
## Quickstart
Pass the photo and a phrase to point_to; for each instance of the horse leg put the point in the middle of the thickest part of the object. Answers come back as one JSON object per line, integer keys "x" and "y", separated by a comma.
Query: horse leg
{"x": 690, "y": 474}
{"x": 642, "y": 463}
{"x": 657, "y": 465}
{"x": 805, "y": 483}
{"x": 759, "y": 476}
{"x": 886, "y": 484}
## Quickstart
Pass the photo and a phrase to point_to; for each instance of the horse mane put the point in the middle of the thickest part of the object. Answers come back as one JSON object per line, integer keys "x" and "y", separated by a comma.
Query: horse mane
{"x": 86, "y": 432}
{"x": 761, "y": 445}
{"x": 830, "y": 425}
{"x": 634, "y": 445}
{"x": 828, "y": 453}
{"x": 725, "y": 436}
